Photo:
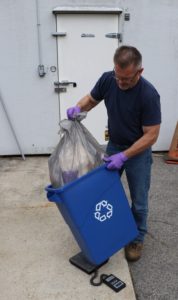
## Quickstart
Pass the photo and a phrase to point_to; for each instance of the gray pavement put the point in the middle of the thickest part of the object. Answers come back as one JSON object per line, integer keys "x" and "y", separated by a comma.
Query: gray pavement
{"x": 36, "y": 243}
{"x": 155, "y": 276}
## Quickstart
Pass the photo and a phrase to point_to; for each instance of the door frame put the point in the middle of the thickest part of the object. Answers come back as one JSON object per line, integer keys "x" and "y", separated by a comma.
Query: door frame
{"x": 87, "y": 10}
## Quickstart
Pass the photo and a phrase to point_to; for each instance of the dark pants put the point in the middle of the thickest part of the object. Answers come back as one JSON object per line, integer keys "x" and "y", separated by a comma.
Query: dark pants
{"x": 138, "y": 173}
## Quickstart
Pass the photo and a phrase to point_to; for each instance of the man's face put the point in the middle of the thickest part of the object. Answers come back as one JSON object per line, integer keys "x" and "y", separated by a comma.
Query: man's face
{"x": 128, "y": 77}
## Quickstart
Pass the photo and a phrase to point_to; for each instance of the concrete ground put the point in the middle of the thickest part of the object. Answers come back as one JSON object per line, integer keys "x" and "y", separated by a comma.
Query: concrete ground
{"x": 155, "y": 275}
{"x": 36, "y": 243}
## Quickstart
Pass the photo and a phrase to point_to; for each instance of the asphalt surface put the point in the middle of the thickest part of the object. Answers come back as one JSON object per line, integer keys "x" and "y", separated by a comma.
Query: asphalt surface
{"x": 155, "y": 275}
{"x": 36, "y": 243}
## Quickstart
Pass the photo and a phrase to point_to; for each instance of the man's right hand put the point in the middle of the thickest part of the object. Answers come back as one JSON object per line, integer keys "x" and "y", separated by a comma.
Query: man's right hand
{"x": 72, "y": 112}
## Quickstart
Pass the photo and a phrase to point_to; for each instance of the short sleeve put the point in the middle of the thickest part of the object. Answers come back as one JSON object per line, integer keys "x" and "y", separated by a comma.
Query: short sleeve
{"x": 101, "y": 87}
{"x": 151, "y": 110}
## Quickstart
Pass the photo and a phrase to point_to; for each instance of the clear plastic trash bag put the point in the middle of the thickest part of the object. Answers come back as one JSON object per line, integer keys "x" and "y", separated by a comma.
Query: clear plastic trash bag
{"x": 77, "y": 153}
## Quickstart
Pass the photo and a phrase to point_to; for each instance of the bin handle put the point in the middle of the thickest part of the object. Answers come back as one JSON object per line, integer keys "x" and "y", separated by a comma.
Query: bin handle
{"x": 49, "y": 188}
{"x": 53, "y": 194}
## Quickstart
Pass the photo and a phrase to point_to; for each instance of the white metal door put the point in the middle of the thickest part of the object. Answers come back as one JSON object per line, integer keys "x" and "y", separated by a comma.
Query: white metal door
{"x": 84, "y": 53}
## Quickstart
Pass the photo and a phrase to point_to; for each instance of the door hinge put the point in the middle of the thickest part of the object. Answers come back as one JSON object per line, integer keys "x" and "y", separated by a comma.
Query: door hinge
{"x": 65, "y": 82}
{"x": 114, "y": 35}
{"x": 56, "y": 34}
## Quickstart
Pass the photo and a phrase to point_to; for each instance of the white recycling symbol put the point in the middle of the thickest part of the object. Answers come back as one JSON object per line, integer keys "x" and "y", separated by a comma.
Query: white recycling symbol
{"x": 103, "y": 206}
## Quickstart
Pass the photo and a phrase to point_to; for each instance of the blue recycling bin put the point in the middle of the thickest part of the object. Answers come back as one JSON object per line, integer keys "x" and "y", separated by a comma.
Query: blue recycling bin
{"x": 97, "y": 211}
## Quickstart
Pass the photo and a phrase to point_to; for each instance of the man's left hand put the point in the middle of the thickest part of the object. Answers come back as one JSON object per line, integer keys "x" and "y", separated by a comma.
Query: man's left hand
{"x": 116, "y": 161}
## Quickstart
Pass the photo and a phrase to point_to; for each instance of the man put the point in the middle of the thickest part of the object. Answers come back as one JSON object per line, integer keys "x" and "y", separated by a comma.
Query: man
{"x": 134, "y": 117}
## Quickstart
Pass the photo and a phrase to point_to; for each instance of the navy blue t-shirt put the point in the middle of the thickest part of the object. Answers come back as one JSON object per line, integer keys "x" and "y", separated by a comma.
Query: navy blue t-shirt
{"x": 128, "y": 110}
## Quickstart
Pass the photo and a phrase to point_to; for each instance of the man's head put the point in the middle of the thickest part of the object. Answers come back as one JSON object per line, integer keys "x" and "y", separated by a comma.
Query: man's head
{"x": 127, "y": 66}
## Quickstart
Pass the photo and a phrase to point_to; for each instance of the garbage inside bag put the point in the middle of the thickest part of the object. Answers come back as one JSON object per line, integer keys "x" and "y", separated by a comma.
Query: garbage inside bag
{"x": 77, "y": 153}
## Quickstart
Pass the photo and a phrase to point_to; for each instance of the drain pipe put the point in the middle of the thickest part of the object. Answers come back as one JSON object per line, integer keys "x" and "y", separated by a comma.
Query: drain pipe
{"x": 11, "y": 126}
{"x": 41, "y": 68}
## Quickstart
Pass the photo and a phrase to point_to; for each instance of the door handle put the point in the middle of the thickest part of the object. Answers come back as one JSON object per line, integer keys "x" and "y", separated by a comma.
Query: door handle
{"x": 65, "y": 82}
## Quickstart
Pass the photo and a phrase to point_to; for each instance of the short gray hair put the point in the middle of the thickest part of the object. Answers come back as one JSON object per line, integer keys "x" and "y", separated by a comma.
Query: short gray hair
{"x": 127, "y": 55}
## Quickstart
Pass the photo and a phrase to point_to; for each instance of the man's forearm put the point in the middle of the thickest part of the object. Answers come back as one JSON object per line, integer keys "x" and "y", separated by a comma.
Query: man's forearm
{"x": 146, "y": 141}
{"x": 87, "y": 103}
{"x": 142, "y": 144}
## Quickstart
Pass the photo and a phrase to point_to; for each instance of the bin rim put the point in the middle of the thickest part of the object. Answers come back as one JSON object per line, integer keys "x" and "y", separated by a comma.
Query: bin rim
{"x": 61, "y": 189}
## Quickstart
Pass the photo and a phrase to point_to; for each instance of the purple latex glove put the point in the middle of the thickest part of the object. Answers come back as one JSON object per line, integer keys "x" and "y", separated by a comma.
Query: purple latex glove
{"x": 72, "y": 112}
{"x": 115, "y": 161}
